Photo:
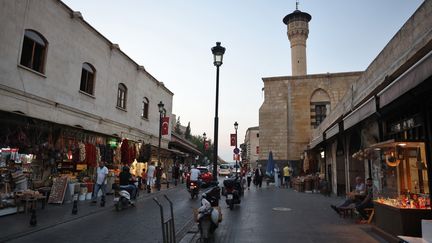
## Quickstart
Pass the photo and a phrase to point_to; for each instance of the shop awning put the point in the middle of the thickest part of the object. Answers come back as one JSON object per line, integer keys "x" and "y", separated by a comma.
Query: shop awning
{"x": 315, "y": 141}
{"x": 418, "y": 73}
{"x": 393, "y": 143}
{"x": 183, "y": 145}
{"x": 362, "y": 112}
{"x": 332, "y": 131}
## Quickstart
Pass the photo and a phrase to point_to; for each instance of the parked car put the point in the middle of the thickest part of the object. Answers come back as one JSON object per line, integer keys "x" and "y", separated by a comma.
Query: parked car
{"x": 224, "y": 170}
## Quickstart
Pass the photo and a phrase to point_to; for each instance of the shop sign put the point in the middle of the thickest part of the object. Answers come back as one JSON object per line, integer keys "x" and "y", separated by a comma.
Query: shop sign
{"x": 405, "y": 125}
{"x": 112, "y": 142}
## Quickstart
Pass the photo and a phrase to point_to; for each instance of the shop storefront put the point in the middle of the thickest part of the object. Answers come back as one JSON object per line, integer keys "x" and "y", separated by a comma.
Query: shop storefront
{"x": 49, "y": 162}
{"x": 404, "y": 175}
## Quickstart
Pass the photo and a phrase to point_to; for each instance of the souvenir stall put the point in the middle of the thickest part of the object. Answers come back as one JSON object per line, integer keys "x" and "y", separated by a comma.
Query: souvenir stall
{"x": 44, "y": 162}
{"x": 401, "y": 185}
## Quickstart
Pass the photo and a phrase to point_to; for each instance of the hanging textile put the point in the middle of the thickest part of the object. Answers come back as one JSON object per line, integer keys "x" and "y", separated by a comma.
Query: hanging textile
{"x": 124, "y": 150}
{"x": 90, "y": 159}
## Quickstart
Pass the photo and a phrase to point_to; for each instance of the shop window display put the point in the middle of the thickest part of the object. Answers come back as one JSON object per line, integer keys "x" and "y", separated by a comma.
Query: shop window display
{"x": 403, "y": 179}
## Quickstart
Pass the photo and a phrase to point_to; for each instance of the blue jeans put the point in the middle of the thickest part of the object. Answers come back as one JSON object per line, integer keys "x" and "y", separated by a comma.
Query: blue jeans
{"x": 96, "y": 189}
{"x": 132, "y": 189}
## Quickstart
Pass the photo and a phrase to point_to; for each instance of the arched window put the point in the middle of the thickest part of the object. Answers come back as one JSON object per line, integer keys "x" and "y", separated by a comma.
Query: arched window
{"x": 145, "y": 108}
{"x": 319, "y": 107}
{"x": 34, "y": 51}
{"x": 121, "y": 96}
{"x": 87, "y": 78}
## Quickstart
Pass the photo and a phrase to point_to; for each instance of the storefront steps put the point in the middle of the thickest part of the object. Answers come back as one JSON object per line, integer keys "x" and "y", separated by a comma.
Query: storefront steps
{"x": 384, "y": 235}
{"x": 17, "y": 225}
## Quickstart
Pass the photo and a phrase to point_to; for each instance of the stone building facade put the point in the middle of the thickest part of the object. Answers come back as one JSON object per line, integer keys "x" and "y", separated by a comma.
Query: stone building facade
{"x": 48, "y": 50}
{"x": 389, "y": 102}
{"x": 251, "y": 144}
{"x": 294, "y": 105}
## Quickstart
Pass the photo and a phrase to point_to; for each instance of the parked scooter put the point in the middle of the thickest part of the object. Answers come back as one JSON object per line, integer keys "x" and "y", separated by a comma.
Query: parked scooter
{"x": 209, "y": 214}
{"x": 232, "y": 191}
{"x": 194, "y": 189}
{"x": 122, "y": 197}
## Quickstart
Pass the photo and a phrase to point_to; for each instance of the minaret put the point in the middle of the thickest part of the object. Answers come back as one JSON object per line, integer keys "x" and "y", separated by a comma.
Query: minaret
{"x": 298, "y": 30}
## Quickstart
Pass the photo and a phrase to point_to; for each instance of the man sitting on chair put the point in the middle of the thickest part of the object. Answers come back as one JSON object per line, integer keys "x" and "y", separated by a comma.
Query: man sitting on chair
{"x": 355, "y": 196}
{"x": 367, "y": 202}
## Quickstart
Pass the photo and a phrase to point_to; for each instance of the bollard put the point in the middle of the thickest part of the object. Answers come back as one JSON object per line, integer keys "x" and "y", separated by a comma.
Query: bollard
{"x": 75, "y": 204}
{"x": 33, "y": 220}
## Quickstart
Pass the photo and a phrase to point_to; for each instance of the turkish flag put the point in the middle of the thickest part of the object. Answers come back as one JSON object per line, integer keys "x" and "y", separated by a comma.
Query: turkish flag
{"x": 165, "y": 125}
{"x": 206, "y": 145}
{"x": 233, "y": 139}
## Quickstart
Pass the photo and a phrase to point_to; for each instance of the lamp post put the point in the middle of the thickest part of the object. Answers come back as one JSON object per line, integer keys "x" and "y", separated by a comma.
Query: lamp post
{"x": 204, "y": 147}
{"x": 218, "y": 52}
{"x": 204, "y": 141}
{"x": 161, "y": 110}
{"x": 236, "y": 127}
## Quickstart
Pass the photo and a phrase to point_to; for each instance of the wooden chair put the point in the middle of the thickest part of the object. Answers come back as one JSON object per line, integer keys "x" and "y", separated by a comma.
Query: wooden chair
{"x": 371, "y": 213}
{"x": 345, "y": 212}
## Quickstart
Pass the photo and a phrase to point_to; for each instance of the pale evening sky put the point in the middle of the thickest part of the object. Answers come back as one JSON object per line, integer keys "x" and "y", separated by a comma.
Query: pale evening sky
{"x": 172, "y": 40}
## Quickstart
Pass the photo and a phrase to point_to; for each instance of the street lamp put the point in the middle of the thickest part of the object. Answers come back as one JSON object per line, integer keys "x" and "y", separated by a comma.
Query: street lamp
{"x": 218, "y": 52}
{"x": 204, "y": 147}
{"x": 236, "y": 127}
{"x": 161, "y": 111}
{"x": 204, "y": 141}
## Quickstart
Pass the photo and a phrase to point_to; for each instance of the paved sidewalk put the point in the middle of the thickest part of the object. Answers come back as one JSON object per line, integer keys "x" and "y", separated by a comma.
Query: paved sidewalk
{"x": 283, "y": 215}
{"x": 17, "y": 225}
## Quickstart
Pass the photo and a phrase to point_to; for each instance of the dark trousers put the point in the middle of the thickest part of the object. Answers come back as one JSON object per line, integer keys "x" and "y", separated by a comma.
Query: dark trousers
{"x": 361, "y": 209}
{"x": 249, "y": 179}
{"x": 259, "y": 182}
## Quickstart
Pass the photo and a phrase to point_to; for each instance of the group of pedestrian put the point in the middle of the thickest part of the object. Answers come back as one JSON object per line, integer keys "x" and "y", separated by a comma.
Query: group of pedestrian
{"x": 256, "y": 176}
{"x": 150, "y": 177}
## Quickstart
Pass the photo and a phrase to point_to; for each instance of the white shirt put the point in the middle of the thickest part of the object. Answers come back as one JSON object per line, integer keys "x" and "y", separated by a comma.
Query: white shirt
{"x": 101, "y": 175}
{"x": 195, "y": 174}
{"x": 360, "y": 188}
{"x": 150, "y": 171}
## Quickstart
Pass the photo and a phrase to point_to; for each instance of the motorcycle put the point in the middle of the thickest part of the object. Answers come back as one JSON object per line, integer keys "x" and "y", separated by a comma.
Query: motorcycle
{"x": 193, "y": 189}
{"x": 209, "y": 214}
{"x": 232, "y": 191}
{"x": 122, "y": 197}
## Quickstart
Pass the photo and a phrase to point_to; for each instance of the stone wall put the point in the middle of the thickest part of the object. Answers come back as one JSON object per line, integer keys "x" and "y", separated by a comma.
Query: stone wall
{"x": 55, "y": 95}
{"x": 285, "y": 116}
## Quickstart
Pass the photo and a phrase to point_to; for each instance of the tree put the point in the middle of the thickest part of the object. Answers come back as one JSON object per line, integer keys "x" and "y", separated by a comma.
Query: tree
{"x": 199, "y": 142}
{"x": 177, "y": 126}
{"x": 188, "y": 135}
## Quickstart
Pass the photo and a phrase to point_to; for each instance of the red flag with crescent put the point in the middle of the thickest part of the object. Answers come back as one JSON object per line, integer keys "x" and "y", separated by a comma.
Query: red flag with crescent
{"x": 233, "y": 139}
{"x": 165, "y": 125}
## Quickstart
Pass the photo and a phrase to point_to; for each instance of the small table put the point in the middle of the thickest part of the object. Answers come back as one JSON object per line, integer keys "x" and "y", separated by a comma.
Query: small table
{"x": 45, "y": 191}
{"x": 29, "y": 201}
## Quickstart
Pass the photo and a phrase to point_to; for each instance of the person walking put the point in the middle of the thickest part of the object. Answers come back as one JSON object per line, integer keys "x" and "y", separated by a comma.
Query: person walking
{"x": 287, "y": 176}
{"x": 258, "y": 176}
{"x": 150, "y": 175}
{"x": 143, "y": 177}
{"x": 276, "y": 175}
{"x": 175, "y": 173}
{"x": 249, "y": 178}
{"x": 101, "y": 181}
{"x": 158, "y": 177}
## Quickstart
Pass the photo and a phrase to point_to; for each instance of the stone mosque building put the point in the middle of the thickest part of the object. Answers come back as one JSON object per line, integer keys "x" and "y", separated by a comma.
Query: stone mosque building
{"x": 294, "y": 105}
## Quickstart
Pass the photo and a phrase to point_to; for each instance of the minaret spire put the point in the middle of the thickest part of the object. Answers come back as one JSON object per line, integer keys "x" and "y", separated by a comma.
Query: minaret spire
{"x": 298, "y": 30}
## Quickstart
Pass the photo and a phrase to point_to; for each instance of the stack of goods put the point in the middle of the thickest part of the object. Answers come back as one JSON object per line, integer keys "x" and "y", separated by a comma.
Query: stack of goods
{"x": 6, "y": 200}
{"x": 20, "y": 180}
